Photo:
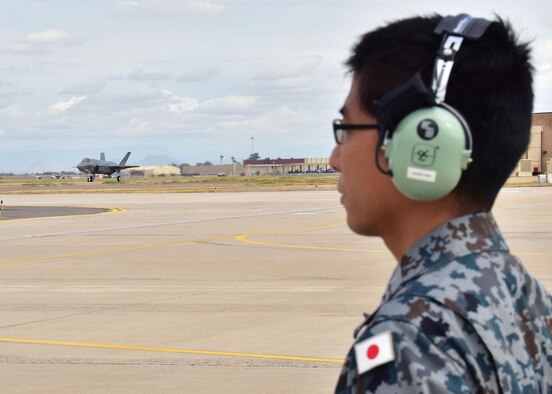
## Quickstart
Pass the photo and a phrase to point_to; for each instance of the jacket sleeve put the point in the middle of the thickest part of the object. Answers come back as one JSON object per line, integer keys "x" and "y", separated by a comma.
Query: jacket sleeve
{"x": 431, "y": 356}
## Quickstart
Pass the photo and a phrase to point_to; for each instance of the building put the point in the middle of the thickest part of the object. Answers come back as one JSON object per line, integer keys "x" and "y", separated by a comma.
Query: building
{"x": 540, "y": 147}
{"x": 152, "y": 171}
{"x": 234, "y": 169}
{"x": 286, "y": 166}
{"x": 538, "y": 157}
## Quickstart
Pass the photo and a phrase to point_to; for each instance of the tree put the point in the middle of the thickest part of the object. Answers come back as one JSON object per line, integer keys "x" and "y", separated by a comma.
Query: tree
{"x": 221, "y": 157}
{"x": 183, "y": 166}
{"x": 254, "y": 156}
{"x": 233, "y": 160}
{"x": 207, "y": 163}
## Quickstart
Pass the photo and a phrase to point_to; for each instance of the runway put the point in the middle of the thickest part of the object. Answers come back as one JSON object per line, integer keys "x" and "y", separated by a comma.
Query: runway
{"x": 198, "y": 293}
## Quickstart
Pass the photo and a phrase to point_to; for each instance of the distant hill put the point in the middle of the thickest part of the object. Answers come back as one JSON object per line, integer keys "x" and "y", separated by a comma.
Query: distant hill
{"x": 43, "y": 165}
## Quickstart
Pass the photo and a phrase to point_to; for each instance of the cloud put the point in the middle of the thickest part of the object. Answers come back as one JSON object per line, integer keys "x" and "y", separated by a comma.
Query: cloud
{"x": 180, "y": 105}
{"x": 543, "y": 78}
{"x": 183, "y": 105}
{"x": 141, "y": 75}
{"x": 63, "y": 106}
{"x": 170, "y": 9}
{"x": 292, "y": 83}
{"x": 294, "y": 76}
{"x": 543, "y": 65}
{"x": 199, "y": 74}
{"x": 50, "y": 36}
{"x": 9, "y": 95}
{"x": 282, "y": 119}
{"x": 41, "y": 42}
{"x": 231, "y": 103}
{"x": 88, "y": 87}
{"x": 21, "y": 48}
{"x": 12, "y": 111}
{"x": 297, "y": 69}
{"x": 146, "y": 111}
{"x": 143, "y": 96}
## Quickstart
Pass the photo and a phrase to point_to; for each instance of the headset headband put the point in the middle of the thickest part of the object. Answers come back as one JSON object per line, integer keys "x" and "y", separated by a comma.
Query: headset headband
{"x": 454, "y": 29}
{"x": 414, "y": 94}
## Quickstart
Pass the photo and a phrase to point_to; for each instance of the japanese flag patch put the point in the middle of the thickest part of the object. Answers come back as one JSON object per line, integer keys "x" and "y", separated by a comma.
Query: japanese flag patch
{"x": 374, "y": 351}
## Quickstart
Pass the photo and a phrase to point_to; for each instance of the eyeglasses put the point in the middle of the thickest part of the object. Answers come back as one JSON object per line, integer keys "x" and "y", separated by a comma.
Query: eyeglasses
{"x": 340, "y": 128}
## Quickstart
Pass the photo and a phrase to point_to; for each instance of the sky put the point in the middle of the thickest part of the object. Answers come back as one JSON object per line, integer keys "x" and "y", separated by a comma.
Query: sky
{"x": 188, "y": 81}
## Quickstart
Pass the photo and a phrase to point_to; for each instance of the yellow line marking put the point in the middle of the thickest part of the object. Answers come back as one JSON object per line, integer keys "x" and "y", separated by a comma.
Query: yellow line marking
{"x": 245, "y": 239}
{"x": 110, "y": 211}
{"x": 240, "y": 238}
{"x": 292, "y": 229}
{"x": 151, "y": 246}
{"x": 168, "y": 350}
{"x": 139, "y": 247}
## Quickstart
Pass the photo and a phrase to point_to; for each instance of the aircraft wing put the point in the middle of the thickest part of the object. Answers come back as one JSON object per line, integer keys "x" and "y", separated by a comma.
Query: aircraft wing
{"x": 109, "y": 169}
{"x": 104, "y": 169}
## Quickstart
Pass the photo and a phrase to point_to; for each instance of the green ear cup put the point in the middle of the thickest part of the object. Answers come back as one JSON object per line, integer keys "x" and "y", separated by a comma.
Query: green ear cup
{"x": 427, "y": 153}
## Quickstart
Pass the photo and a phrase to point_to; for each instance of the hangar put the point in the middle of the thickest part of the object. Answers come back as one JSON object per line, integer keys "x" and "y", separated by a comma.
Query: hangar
{"x": 287, "y": 166}
{"x": 152, "y": 171}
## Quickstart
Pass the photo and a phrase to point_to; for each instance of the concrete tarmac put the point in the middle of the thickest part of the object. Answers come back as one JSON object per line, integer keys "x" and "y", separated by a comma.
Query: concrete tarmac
{"x": 200, "y": 293}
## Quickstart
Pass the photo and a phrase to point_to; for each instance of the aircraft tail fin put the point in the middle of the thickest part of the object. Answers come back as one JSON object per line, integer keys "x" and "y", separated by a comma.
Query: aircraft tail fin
{"x": 102, "y": 156}
{"x": 123, "y": 162}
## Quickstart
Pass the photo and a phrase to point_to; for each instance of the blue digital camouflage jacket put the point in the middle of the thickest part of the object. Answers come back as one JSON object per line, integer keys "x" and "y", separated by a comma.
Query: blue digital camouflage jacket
{"x": 465, "y": 317}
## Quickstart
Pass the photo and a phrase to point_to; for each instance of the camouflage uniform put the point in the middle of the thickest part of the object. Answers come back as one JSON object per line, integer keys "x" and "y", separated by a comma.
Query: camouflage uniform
{"x": 465, "y": 317}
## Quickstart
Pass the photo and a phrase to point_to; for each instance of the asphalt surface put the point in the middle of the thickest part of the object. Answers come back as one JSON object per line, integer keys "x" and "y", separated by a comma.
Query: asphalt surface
{"x": 200, "y": 293}
{"x": 27, "y": 212}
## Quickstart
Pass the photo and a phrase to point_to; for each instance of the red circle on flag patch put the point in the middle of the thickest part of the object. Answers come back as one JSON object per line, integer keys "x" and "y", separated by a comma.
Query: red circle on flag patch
{"x": 372, "y": 352}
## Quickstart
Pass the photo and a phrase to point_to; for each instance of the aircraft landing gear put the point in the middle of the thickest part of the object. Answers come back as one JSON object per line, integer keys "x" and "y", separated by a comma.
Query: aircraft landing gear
{"x": 118, "y": 178}
{"x": 90, "y": 178}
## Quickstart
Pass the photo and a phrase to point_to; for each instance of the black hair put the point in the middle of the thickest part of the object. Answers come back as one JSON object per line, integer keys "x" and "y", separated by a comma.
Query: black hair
{"x": 490, "y": 85}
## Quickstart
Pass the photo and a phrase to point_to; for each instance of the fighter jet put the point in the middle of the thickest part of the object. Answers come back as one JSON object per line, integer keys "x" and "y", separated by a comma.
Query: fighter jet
{"x": 94, "y": 166}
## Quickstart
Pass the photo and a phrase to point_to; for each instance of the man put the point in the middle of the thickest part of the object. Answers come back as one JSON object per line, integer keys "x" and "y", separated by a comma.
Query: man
{"x": 460, "y": 314}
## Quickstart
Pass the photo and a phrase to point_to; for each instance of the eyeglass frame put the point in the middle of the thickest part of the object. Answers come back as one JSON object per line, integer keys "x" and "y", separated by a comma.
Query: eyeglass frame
{"x": 340, "y": 128}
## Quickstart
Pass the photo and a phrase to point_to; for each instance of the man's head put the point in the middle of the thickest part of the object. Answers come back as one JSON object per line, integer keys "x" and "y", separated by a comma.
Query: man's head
{"x": 490, "y": 85}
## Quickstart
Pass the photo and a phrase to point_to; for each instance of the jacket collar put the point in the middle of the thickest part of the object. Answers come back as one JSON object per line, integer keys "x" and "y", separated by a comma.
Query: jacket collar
{"x": 465, "y": 235}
